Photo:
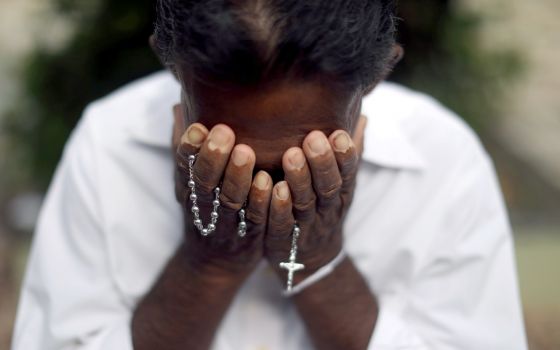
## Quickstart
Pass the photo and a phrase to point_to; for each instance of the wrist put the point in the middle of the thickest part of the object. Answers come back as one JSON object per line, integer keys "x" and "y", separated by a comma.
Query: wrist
{"x": 318, "y": 275}
{"x": 214, "y": 270}
{"x": 184, "y": 297}
{"x": 313, "y": 262}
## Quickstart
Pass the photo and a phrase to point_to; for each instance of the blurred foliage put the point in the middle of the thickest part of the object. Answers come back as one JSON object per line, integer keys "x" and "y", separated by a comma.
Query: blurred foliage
{"x": 444, "y": 57}
{"x": 109, "y": 48}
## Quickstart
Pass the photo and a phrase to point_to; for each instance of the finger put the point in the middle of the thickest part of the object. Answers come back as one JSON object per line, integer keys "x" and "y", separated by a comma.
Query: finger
{"x": 184, "y": 143}
{"x": 280, "y": 218}
{"x": 359, "y": 131}
{"x": 213, "y": 158}
{"x": 298, "y": 176}
{"x": 347, "y": 158}
{"x": 324, "y": 169}
{"x": 258, "y": 203}
{"x": 188, "y": 141}
{"x": 237, "y": 180}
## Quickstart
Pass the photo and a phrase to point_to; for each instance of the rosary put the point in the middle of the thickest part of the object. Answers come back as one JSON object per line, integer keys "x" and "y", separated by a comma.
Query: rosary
{"x": 291, "y": 265}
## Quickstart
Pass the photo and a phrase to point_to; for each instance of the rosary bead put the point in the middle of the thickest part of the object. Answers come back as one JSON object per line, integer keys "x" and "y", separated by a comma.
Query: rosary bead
{"x": 204, "y": 231}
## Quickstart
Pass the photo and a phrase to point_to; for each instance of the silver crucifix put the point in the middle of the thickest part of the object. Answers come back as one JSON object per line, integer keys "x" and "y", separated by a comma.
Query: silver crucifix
{"x": 292, "y": 266}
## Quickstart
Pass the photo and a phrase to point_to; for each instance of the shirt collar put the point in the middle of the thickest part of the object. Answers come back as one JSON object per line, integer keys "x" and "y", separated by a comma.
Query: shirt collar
{"x": 386, "y": 144}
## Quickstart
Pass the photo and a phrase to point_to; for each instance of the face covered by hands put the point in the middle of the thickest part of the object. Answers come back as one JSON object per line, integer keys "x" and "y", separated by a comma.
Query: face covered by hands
{"x": 316, "y": 193}
{"x": 286, "y": 150}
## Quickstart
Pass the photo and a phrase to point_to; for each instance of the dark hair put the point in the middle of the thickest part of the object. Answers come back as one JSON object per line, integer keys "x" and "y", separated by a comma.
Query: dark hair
{"x": 247, "y": 41}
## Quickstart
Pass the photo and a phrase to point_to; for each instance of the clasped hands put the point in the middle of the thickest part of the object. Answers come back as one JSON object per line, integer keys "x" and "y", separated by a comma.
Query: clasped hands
{"x": 320, "y": 178}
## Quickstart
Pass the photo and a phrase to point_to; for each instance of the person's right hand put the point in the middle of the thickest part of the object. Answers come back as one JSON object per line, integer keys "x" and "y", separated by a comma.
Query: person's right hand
{"x": 220, "y": 164}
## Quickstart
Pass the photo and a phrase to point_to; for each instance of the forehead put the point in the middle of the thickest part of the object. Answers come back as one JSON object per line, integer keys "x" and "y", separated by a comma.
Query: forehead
{"x": 309, "y": 104}
{"x": 270, "y": 118}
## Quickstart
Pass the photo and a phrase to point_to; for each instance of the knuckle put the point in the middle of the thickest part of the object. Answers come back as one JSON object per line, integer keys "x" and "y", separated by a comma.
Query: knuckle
{"x": 348, "y": 185}
{"x": 351, "y": 162}
{"x": 348, "y": 167}
{"x": 205, "y": 174}
{"x": 325, "y": 166}
{"x": 301, "y": 187}
{"x": 202, "y": 183}
{"x": 307, "y": 206}
{"x": 229, "y": 202}
{"x": 304, "y": 216}
{"x": 257, "y": 217}
{"x": 278, "y": 223}
{"x": 258, "y": 202}
{"x": 233, "y": 194}
{"x": 332, "y": 191}
{"x": 349, "y": 176}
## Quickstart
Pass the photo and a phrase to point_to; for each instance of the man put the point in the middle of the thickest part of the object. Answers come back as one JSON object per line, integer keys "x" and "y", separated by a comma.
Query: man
{"x": 281, "y": 237}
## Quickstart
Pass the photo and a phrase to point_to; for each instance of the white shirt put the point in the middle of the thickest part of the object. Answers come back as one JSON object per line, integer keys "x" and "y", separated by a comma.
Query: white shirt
{"x": 427, "y": 229}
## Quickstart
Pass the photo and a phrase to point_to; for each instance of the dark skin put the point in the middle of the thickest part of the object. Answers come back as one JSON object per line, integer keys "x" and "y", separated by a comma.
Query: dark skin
{"x": 248, "y": 139}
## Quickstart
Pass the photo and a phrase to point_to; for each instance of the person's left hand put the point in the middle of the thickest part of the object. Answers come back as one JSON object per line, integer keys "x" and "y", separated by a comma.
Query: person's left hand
{"x": 318, "y": 189}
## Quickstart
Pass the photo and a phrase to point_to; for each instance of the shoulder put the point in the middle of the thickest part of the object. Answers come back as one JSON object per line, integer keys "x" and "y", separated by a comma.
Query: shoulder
{"x": 144, "y": 95}
{"x": 141, "y": 109}
{"x": 440, "y": 138}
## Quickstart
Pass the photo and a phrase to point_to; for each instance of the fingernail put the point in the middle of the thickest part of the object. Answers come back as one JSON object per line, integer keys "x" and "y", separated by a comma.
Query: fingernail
{"x": 218, "y": 138}
{"x": 194, "y": 136}
{"x": 319, "y": 145}
{"x": 261, "y": 181}
{"x": 239, "y": 158}
{"x": 297, "y": 160}
{"x": 342, "y": 142}
{"x": 282, "y": 191}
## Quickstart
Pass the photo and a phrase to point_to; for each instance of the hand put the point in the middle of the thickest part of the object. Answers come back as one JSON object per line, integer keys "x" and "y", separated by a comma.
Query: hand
{"x": 219, "y": 163}
{"x": 317, "y": 192}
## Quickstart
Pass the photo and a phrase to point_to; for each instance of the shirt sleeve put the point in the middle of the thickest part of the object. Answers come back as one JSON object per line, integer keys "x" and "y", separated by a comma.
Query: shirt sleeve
{"x": 69, "y": 299}
{"x": 465, "y": 295}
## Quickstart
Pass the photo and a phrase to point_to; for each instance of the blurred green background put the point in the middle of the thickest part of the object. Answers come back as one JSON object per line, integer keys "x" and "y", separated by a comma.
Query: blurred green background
{"x": 492, "y": 61}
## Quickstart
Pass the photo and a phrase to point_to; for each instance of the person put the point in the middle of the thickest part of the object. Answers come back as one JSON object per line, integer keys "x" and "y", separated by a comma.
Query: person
{"x": 263, "y": 213}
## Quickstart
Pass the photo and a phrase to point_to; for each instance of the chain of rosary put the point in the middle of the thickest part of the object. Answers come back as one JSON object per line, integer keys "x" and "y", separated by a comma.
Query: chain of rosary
{"x": 291, "y": 265}
{"x": 204, "y": 231}
{"x": 295, "y": 236}
{"x": 242, "y": 226}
